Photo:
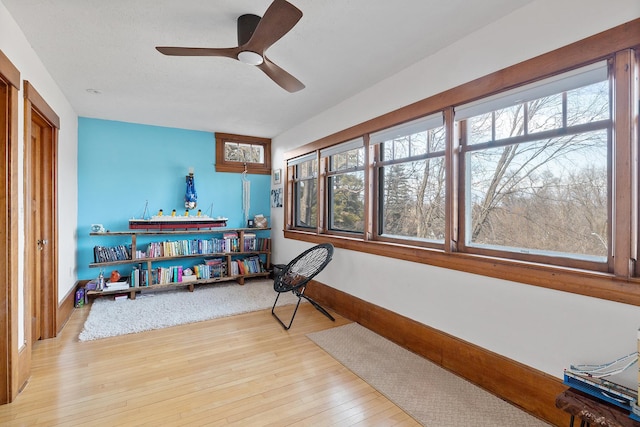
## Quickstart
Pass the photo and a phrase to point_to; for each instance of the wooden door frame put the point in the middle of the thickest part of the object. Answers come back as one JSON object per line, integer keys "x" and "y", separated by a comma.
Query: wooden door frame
{"x": 9, "y": 384}
{"x": 35, "y": 104}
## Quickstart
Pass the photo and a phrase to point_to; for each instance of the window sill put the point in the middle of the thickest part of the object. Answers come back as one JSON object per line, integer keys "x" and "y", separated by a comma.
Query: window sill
{"x": 582, "y": 282}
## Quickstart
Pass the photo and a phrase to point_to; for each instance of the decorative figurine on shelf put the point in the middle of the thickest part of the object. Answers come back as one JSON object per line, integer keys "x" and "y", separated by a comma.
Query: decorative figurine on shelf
{"x": 115, "y": 276}
{"x": 190, "y": 197}
{"x": 97, "y": 228}
{"x": 100, "y": 281}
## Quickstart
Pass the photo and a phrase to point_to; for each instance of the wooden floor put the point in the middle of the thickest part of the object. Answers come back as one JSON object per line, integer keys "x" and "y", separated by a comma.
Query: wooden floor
{"x": 244, "y": 370}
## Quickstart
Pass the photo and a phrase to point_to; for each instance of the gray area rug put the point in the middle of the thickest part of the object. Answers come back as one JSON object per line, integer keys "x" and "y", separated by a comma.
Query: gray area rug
{"x": 148, "y": 311}
{"x": 430, "y": 394}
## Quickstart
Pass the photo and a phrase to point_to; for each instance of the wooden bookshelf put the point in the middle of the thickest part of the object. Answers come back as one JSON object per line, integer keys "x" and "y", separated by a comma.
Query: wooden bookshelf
{"x": 213, "y": 247}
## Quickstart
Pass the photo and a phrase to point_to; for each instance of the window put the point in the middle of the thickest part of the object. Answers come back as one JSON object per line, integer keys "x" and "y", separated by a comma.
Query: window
{"x": 535, "y": 184}
{"x": 305, "y": 188}
{"x": 345, "y": 186}
{"x": 237, "y": 153}
{"x": 537, "y": 170}
{"x": 411, "y": 178}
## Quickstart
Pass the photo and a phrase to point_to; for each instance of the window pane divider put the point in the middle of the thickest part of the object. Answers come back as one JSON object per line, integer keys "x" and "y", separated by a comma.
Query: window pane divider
{"x": 554, "y": 133}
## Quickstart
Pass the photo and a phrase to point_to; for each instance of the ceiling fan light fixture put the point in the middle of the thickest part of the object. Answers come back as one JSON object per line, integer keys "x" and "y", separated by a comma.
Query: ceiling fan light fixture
{"x": 251, "y": 58}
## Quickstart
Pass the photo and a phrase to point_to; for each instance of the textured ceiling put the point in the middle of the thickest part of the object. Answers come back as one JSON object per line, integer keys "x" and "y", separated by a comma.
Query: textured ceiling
{"x": 337, "y": 49}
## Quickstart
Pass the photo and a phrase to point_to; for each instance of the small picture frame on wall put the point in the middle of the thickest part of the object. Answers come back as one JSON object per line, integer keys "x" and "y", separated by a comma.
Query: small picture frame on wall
{"x": 276, "y": 197}
{"x": 277, "y": 176}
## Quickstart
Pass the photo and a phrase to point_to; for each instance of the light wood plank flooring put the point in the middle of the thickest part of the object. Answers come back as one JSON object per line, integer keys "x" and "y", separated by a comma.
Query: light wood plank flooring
{"x": 243, "y": 370}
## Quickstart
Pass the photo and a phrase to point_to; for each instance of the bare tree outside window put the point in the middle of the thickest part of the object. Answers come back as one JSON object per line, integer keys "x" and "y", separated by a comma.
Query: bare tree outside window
{"x": 245, "y": 153}
{"x": 537, "y": 174}
{"x": 306, "y": 197}
{"x": 412, "y": 186}
{"x": 346, "y": 191}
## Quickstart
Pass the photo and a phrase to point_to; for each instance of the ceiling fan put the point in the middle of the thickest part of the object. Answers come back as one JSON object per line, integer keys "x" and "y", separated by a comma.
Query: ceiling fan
{"x": 255, "y": 36}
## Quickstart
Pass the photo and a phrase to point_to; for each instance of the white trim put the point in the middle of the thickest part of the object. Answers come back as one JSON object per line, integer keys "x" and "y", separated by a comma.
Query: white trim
{"x": 298, "y": 160}
{"x": 409, "y": 128}
{"x": 574, "y": 79}
{"x": 342, "y": 147}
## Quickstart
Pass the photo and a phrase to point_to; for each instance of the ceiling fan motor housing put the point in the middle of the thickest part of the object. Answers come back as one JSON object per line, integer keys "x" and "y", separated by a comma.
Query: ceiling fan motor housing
{"x": 246, "y": 26}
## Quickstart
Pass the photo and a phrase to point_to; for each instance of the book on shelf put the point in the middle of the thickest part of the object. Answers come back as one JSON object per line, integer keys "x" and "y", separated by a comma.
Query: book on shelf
{"x": 249, "y": 242}
{"x": 117, "y": 286}
{"x": 218, "y": 266}
{"x": 111, "y": 253}
{"x": 252, "y": 265}
{"x": 229, "y": 243}
{"x": 241, "y": 269}
{"x": 263, "y": 244}
{"x": 166, "y": 275}
{"x": 248, "y": 265}
{"x": 234, "y": 268}
{"x": 211, "y": 269}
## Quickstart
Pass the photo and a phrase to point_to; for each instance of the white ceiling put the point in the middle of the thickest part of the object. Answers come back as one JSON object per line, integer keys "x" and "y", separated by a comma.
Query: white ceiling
{"x": 337, "y": 49}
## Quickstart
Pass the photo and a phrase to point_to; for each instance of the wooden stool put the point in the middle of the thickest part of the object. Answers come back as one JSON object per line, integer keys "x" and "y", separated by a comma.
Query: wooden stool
{"x": 593, "y": 412}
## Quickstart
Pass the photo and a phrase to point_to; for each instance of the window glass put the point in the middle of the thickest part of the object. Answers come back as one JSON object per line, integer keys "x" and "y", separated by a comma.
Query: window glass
{"x": 551, "y": 197}
{"x": 544, "y": 114}
{"x": 481, "y": 128}
{"x": 508, "y": 122}
{"x": 345, "y": 186}
{"x": 412, "y": 183}
{"x": 305, "y": 192}
{"x": 413, "y": 199}
{"x": 542, "y": 195}
{"x": 346, "y": 202}
{"x": 588, "y": 104}
{"x": 245, "y": 153}
{"x": 347, "y": 160}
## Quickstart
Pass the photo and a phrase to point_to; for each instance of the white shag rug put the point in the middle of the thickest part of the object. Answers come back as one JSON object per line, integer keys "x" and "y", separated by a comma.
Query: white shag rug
{"x": 148, "y": 311}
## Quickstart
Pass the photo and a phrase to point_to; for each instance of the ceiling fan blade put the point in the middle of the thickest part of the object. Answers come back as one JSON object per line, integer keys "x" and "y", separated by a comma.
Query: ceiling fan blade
{"x": 280, "y": 76}
{"x": 277, "y": 21}
{"x": 229, "y": 52}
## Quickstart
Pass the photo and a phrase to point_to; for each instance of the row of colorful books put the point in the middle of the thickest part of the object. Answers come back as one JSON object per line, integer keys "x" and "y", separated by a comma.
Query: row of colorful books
{"x": 248, "y": 265}
{"x": 253, "y": 243}
{"x": 181, "y": 248}
{"x": 202, "y": 247}
{"x": 111, "y": 253}
{"x": 209, "y": 269}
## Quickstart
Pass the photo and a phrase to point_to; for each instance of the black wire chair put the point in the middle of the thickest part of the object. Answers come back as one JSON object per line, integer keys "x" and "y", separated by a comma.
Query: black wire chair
{"x": 295, "y": 276}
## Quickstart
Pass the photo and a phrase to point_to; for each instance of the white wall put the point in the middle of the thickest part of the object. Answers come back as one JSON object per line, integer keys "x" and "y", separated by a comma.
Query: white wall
{"x": 15, "y": 46}
{"x": 539, "y": 327}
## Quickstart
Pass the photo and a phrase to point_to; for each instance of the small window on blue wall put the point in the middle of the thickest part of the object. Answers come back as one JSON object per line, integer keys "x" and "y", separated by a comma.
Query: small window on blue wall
{"x": 237, "y": 153}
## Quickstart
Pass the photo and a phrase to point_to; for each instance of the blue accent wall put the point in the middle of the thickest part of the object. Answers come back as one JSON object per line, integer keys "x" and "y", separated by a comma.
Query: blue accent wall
{"x": 122, "y": 165}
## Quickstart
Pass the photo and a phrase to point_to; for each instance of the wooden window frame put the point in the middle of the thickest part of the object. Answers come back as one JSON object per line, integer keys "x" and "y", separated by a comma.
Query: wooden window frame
{"x": 377, "y": 166}
{"x": 573, "y": 260}
{"x": 292, "y": 171}
{"x": 331, "y": 173}
{"x": 622, "y": 282}
{"x": 223, "y": 165}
